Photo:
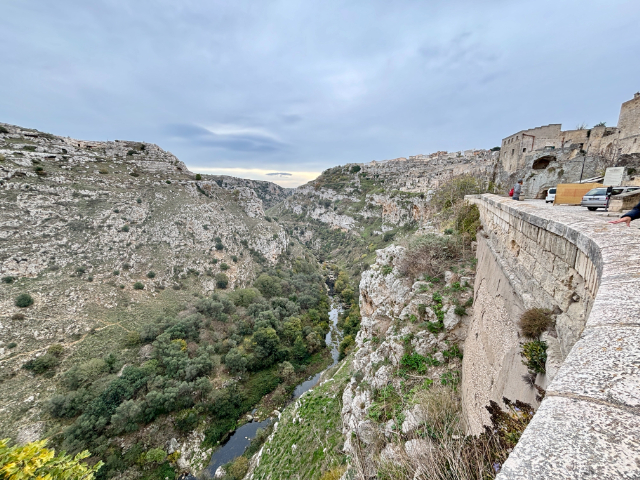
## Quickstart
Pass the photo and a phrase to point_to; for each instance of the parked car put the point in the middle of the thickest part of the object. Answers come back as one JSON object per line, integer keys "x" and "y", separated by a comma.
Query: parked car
{"x": 597, "y": 197}
{"x": 551, "y": 196}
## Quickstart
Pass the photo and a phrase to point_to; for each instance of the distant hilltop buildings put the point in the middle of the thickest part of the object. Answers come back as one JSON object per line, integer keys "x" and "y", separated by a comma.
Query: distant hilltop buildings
{"x": 609, "y": 142}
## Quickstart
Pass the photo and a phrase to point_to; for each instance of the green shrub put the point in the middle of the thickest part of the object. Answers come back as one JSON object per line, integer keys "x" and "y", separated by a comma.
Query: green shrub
{"x": 168, "y": 182}
{"x": 29, "y": 148}
{"x": 460, "y": 310}
{"x": 388, "y": 236}
{"x": 44, "y": 364}
{"x": 3, "y": 130}
{"x": 131, "y": 153}
{"x": 234, "y": 258}
{"x": 224, "y": 267}
{"x": 116, "y": 273}
{"x": 219, "y": 245}
{"x": 138, "y": 200}
{"x": 535, "y": 321}
{"x": 467, "y": 221}
{"x": 138, "y": 286}
{"x": 535, "y": 354}
{"x": 125, "y": 228}
{"x": 355, "y": 169}
{"x": 198, "y": 176}
{"x": 238, "y": 468}
{"x": 24, "y": 300}
{"x": 448, "y": 231}
{"x": 12, "y": 345}
{"x": 8, "y": 279}
{"x": 386, "y": 269}
{"x": 151, "y": 274}
{"x": 56, "y": 350}
{"x": 133, "y": 338}
{"x": 221, "y": 280}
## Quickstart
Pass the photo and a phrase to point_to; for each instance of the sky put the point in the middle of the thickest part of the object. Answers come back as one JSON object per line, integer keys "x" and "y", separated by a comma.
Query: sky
{"x": 281, "y": 90}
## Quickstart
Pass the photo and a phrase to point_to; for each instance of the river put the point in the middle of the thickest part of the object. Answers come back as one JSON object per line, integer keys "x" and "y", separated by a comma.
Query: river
{"x": 241, "y": 438}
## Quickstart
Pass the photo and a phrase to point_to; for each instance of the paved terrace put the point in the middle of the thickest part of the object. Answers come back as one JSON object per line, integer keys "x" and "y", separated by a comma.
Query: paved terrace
{"x": 588, "y": 425}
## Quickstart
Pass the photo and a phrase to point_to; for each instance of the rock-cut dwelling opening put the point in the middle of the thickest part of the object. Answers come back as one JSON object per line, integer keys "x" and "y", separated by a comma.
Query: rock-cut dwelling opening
{"x": 543, "y": 162}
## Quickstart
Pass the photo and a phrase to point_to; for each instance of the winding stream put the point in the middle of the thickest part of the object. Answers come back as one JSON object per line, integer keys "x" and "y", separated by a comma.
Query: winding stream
{"x": 241, "y": 438}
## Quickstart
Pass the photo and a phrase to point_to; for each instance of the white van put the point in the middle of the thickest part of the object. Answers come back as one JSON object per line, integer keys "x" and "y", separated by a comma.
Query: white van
{"x": 551, "y": 195}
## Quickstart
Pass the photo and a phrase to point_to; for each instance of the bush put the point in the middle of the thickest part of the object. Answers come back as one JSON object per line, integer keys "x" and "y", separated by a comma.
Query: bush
{"x": 386, "y": 269}
{"x": 452, "y": 192}
{"x": 8, "y": 279}
{"x": 224, "y": 267}
{"x": 133, "y": 338}
{"x": 24, "y": 300}
{"x": 388, "y": 236}
{"x": 355, "y": 169}
{"x": 56, "y": 350}
{"x": 431, "y": 255}
{"x": 238, "y": 468}
{"x": 138, "y": 200}
{"x": 17, "y": 316}
{"x": 535, "y": 354}
{"x": 12, "y": 345}
{"x": 3, "y": 130}
{"x": 44, "y": 364}
{"x": 460, "y": 310}
{"x": 535, "y": 321}
{"x": 198, "y": 176}
{"x": 467, "y": 221}
{"x": 125, "y": 228}
{"x": 168, "y": 182}
{"x": 151, "y": 274}
{"x": 138, "y": 286}
{"x": 234, "y": 258}
{"x": 33, "y": 460}
{"x": 221, "y": 280}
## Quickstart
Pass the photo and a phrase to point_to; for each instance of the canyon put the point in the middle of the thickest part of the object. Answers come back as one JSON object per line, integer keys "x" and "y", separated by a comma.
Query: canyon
{"x": 108, "y": 237}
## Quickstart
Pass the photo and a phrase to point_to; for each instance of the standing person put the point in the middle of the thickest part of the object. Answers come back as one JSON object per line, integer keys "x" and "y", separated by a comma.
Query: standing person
{"x": 517, "y": 190}
{"x": 630, "y": 215}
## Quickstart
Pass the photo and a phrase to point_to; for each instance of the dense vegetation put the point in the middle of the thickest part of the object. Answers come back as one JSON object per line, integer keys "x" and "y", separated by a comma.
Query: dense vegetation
{"x": 256, "y": 338}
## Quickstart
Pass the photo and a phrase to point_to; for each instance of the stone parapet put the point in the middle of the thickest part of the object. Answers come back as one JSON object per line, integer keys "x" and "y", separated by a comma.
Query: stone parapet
{"x": 588, "y": 425}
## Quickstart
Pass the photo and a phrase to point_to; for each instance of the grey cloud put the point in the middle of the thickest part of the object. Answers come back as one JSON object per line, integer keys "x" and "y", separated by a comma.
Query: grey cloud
{"x": 233, "y": 142}
{"x": 309, "y": 85}
{"x": 279, "y": 174}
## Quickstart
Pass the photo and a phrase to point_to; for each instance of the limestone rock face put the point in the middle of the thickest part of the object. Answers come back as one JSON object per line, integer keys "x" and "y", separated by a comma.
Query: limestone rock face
{"x": 385, "y": 297}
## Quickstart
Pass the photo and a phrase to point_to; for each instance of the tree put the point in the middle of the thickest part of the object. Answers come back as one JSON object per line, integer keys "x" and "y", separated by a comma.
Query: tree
{"x": 33, "y": 460}
{"x": 269, "y": 286}
{"x": 235, "y": 361}
{"x": 222, "y": 280}
{"x": 266, "y": 342}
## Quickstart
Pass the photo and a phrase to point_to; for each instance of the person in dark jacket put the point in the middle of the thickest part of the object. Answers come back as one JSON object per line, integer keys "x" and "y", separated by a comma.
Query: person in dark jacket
{"x": 517, "y": 190}
{"x": 630, "y": 215}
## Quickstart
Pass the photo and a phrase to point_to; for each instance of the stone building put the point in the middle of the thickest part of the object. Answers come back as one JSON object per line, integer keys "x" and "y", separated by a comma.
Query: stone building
{"x": 538, "y": 144}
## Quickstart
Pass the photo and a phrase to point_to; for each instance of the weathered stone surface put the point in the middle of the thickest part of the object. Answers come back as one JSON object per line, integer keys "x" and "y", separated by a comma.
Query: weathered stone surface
{"x": 576, "y": 439}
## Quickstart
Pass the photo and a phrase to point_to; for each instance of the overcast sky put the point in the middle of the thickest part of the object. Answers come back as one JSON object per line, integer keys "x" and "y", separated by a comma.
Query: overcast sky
{"x": 254, "y": 87}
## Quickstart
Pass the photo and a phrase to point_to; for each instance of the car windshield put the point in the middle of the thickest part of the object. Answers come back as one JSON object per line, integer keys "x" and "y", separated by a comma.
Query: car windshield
{"x": 597, "y": 191}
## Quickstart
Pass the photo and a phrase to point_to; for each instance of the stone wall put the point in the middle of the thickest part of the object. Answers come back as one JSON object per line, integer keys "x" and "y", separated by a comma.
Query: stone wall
{"x": 588, "y": 425}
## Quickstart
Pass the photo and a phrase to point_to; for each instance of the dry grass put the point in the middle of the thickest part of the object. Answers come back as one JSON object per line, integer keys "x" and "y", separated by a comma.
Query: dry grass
{"x": 431, "y": 255}
{"x": 534, "y": 322}
{"x": 439, "y": 448}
